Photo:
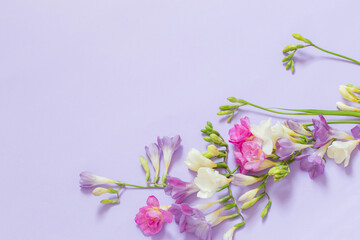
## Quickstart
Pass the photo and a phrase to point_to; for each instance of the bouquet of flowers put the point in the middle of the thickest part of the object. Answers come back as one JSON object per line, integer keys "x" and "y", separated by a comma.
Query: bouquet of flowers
{"x": 263, "y": 152}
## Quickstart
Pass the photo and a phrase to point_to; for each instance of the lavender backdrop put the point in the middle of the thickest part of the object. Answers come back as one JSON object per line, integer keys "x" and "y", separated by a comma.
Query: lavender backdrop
{"x": 85, "y": 84}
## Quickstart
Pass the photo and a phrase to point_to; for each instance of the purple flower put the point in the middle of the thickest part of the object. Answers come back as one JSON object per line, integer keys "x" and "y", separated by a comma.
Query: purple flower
{"x": 191, "y": 220}
{"x": 296, "y": 127}
{"x": 179, "y": 189}
{"x": 285, "y": 147}
{"x": 168, "y": 146}
{"x": 88, "y": 180}
{"x": 323, "y": 133}
{"x": 356, "y": 133}
{"x": 153, "y": 152}
{"x": 313, "y": 163}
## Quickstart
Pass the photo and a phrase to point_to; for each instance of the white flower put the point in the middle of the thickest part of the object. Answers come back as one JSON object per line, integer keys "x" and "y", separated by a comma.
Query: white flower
{"x": 248, "y": 195}
{"x": 208, "y": 181}
{"x": 196, "y": 160}
{"x": 340, "y": 151}
{"x": 88, "y": 180}
{"x": 346, "y": 92}
{"x": 229, "y": 235}
{"x": 244, "y": 180}
{"x": 280, "y": 131}
{"x": 342, "y": 106}
{"x": 263, "y": 131}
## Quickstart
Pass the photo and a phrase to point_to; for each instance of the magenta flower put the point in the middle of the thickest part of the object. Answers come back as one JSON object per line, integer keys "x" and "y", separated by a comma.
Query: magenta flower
{"x": 179, "y": 189}
{"x": 151, "y": 218}
{"x": 249, "y": 156}
{"x": 191, "y": 220}
{"x": 285, "y": 147}
{"x": 240, "y": 132}
{"x": 323, "y": 133}
{"x": 88, "y": 180}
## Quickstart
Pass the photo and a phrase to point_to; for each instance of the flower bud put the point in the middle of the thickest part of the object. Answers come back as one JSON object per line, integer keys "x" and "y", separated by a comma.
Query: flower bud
{"x": 227, "y": 112}
{"x": 298, "y": 37}
{"x": 212, "y": 149}
{"x": 289, "y": 48}
{"x": 145, "y": 165}
{"x": 100, "y": 191}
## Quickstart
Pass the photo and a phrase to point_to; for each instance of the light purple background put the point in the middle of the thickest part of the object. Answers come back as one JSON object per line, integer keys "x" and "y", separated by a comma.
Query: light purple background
{"x": 85, "y": 85}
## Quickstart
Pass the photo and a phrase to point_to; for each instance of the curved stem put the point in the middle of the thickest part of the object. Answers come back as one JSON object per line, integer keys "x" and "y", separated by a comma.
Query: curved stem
{"x": 321, "y": 49}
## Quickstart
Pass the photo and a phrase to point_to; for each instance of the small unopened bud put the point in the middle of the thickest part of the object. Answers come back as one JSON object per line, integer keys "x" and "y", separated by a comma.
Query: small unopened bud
{"x": 298, "y": 37}
{"x": 108, "y": 201}
{"x": 212, "y": 149}
{"x": 234, "y": 100}
{"x": 266, "y": 209}
{"x": 100, "y": 191}
{"x": 215, "y": 138}
{"x": 346, "y": 93}
{"x": 208, "y": 139}
{"x": 227, "y": 112}
{"x": 289, "y": 48}
{"x": 145, "y": 165}
{"x": 248, "y": 204}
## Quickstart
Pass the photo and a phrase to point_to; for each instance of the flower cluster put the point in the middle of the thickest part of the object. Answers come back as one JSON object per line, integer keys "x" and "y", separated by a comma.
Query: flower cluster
{"x": 262, "y": 152}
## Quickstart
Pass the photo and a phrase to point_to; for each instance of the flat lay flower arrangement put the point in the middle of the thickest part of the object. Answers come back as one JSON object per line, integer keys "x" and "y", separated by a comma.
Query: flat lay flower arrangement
{"x": 263, "y": 152}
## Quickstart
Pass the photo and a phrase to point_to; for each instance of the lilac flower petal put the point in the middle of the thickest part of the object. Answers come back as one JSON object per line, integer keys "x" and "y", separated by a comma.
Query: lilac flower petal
{"x": 179, "y": 189}
{"x": 191, "y": 220}
{"x": 356, "y": 131}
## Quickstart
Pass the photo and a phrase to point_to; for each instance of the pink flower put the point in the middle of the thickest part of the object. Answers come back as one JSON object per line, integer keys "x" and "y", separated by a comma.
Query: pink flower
{"x": 240, "y": 132}
{"x": 151, "y": 218}
{"x": 250, "y": 155}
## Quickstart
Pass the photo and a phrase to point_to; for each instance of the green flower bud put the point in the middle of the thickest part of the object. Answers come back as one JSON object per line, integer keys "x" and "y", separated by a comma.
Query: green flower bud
{"x": 307, "y": 41}
{"x": 229, "y": 206}
{"x": 249, "y": 204}
{"x": 207, "y": 154}
{"x": 145, "y": 165}
{"x": 215, "y": 138}
{"x": 239, "y": 225}
{"x": 208, "y": 139}
{"x": 265, "y": 210}
{"x": 208, "y": 128}
{"x": 232, "y": 99}
{"x": 287, "y": 58}
{"x": 298, "y": 37}
{"x": 289, "y": 48}
{"x": 209, "y": 124}
{"x": 300, "y": 46}
{"x": 108, "y": 201}
{"x": 224, "y": 199}
{"x": 221, "y": 165}
{"x": 288, "y": 65}
{"x": 225, "y": 112}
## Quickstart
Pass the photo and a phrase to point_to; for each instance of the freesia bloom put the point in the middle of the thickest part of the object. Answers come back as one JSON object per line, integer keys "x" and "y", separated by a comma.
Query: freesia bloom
{"x": 347, "y": 93}
{"x": 285, "y": 147}
{"x": 168, "y": 146}
{"x": 88, "y": 180}
{"x": 153, "y": 152}
{"x": 191, "y": 220}
{"x": 323, "y": 133}
{"x": 313, "y": 163}
{"x": 208, "y": 181}
{"x": 196, "y": 160}
{"x": 248, "y": 195}
{"x": 340, "y": 151}
{"x": 249, "y": 156}
{"x": 229, "y": 235}
{"x": 263, "y": 132}
{"x": 214, "y": 218}
{"x": 240, "y": 132}
{"x": 151, "y": 218}
{"x": 244, "y": 180}
{"x": 179, "y": 189}
{"x": 296, "y": 127}
{"x": 355, "y": 131}
{"x": 280, "y": 131}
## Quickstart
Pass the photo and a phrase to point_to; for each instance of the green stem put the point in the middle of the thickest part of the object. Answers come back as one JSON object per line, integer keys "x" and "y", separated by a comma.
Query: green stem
{"x": 273, "y": 111}
{"x": 321, "y": 49}
{"x": 137, "y": 186}
{"x": 334, "y": 122}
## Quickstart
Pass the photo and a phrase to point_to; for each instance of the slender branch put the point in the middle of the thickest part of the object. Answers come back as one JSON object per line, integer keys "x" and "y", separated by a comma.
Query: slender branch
{"x": 336, "y": 54}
